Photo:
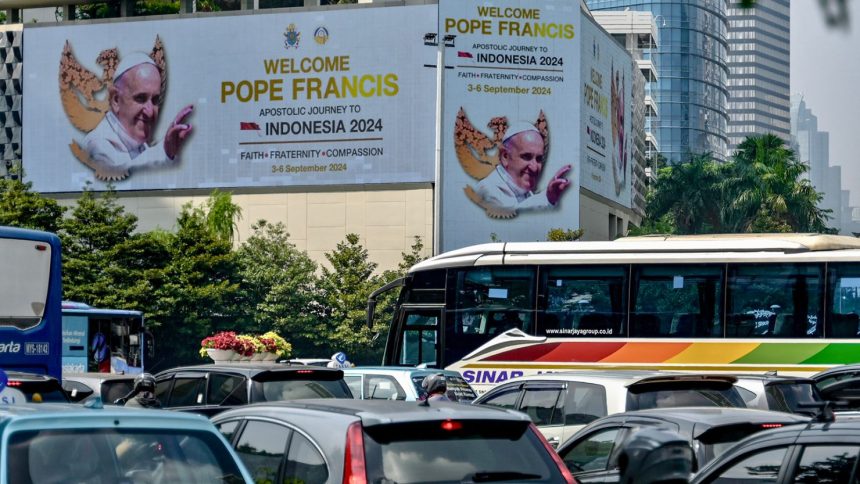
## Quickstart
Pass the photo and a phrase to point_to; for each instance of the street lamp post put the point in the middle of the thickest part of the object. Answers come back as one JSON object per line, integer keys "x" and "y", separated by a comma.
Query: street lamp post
{"x": 432, "y": 39}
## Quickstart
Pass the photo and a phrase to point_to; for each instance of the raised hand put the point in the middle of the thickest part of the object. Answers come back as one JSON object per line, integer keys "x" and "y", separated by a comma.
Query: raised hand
{"x": 558, "y": 185}
{"x": 177, "y": 132}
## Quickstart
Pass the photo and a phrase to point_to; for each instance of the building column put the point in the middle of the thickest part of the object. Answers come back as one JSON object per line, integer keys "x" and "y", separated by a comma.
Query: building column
{"x": 126, "y": 8}
{"x": 13, "y": 16}
{"x": 187, "y": 6}
{"x": 68, "y": 12}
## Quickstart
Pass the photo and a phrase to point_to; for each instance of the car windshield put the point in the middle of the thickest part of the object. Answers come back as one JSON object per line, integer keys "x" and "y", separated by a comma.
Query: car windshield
{"x": 120, "y": 455}
{"x": 683, "y": 394}
{"x": 457, "y": 451}
{"x": 458, "y": 389}
{"x": 41, "y": 391}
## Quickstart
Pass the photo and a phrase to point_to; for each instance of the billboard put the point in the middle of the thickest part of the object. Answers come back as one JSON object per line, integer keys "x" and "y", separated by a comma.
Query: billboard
{"x": 607, "y": 117}
{"x": 511, "y": 117}
{"x": 248, "y": 100}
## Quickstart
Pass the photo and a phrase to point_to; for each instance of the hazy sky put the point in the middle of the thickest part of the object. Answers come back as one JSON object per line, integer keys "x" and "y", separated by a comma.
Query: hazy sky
{"x": 825, "y": 68}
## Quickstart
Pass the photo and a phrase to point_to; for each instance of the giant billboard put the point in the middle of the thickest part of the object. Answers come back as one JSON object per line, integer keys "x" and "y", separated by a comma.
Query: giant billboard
{"x": 607, "y": 117}
{"x": 511, "y": 117}
{"x": 248, "y": 100}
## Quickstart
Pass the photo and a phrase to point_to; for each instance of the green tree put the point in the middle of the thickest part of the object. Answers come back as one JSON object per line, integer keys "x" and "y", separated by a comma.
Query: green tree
{"x": 278, "y": 285}
{"x": 199, "y": 295}
{"x": 222, "y": 215}
{"x": 20, "y": 206}
{"x": 414, "y": 256}
{"x": 768, "y": 192}
{"x": 91, "y": 235}
{"x": 344, "y": 289}
{"x": 690, "y": 193}
{"x": 564, "y": 235}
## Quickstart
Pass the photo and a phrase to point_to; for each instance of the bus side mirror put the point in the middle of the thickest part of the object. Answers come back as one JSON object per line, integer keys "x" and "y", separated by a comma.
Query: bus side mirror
{"x": 371, "y": 309}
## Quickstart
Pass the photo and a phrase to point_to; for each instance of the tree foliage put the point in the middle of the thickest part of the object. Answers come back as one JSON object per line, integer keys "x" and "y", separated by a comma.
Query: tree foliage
{"x": 20, "y": 206}
{"x": 762, "y": 189}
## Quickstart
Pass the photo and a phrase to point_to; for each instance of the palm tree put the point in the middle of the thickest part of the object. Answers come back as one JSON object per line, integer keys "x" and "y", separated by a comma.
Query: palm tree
{"x": 690, "y": 193}
{"x": 767, "y": 192}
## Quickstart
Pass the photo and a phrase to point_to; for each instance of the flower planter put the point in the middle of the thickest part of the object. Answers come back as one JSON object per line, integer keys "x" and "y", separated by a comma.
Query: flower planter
{"x": 221, "y": 355}
{"x": 270, "y": 356}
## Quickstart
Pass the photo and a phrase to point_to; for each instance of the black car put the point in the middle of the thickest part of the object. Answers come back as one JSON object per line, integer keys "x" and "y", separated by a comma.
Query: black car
{"x": 388, "y": 441}
{"x": 592, "y": 453}
{"x": 210, "y": 389}
{"x": 820, "y": 452}
{"x": 37, "y": 388}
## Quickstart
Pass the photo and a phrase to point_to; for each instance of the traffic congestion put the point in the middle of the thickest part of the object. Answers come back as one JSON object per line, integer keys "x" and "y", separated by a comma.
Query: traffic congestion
{"x": 285, "y": 422}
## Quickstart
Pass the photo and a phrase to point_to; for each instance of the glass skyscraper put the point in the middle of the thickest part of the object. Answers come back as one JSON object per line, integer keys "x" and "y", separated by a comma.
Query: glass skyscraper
{"x": 692, "y": 74}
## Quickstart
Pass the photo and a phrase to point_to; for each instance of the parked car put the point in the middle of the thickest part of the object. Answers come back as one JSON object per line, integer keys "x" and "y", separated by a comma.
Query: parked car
{"x": 35, "y": 387}
{"x": 58, "y": 443}
{"x": 390, "y": 383}
{"x": 819, "y": 452}
{"x": 209, "y": 389}
{"x": 107, "y": 386}
{"x": 310, "y": 361}
{"x": 592, "y": 453}
{"x": 375, "y": 441}
{"x": 841, "y": 384}
{"x": 562, "y": 403}
{"x": 779, "y": 393}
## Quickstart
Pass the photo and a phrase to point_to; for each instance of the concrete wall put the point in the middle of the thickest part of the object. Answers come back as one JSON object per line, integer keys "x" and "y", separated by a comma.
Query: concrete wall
{"x": 603, "y": 220}
{"x": 386, "y": 217}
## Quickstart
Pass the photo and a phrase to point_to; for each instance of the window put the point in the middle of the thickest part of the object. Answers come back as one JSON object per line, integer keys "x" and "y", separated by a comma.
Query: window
{"x": 843, "y": 301}
{"x": 262, "y": 446}
{"x": 495, "y": 299}
{"x": 304, "y": 462}
{"x": 822, "y": 464}
{"x": 505, "y": 398}
{"x": 585, "y": 402}
{"x": 543, "y": 405}
{"x": 354, "y": 383}
{"x": 421, "y": 328}
{"x": 677, "y": 301}
{"x": 776, "y": 300}
{"x": 227, "y": 390}
{"x": 228, "y": 429}
{"x": 761, "y": 468}
{"x": 592, "y": 453}
{"x": 382, "y": 387}
{"x": 585, "y": 301}
{"x": 187, "y": 391}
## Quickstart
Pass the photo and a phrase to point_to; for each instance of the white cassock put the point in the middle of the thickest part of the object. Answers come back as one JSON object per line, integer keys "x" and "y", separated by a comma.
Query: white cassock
{"x": 498, "y": 190}
{"x": 111, "y": 145}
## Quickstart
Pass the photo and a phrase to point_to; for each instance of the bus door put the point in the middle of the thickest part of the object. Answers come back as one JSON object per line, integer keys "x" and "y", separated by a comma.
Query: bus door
{"x": 419, "y": 337}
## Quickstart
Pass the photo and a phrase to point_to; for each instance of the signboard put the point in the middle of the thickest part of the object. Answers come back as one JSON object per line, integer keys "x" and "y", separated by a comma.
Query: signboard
{"x": 280, "y": 99}
{"x": 510, "y": 137}
{"x": 607, "y": 117}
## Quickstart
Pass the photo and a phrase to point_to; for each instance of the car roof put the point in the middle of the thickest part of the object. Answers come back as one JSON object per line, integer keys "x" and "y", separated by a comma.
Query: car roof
{"x": 775, "y": 378}
{"x": 67, "y": 415}
{"x": 853, "y": 368}
{"x": 381, "y": 412}
{"x": 401, "y": 371}
{"x": 89, "y": 377}
{"x": 624, "y": 377}
{"x": 249, "y": 369}
{"x": 28, "y": 377}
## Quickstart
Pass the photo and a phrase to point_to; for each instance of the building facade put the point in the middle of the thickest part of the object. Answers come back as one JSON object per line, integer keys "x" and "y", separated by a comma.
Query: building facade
{"x": 692, "y": 73}
{"x": 759, "y": 70}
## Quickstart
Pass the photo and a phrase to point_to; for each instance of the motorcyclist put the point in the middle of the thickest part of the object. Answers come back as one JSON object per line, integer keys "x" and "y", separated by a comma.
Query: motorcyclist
{"x": 143, "y": 393}
{"x": 436, "y": 387}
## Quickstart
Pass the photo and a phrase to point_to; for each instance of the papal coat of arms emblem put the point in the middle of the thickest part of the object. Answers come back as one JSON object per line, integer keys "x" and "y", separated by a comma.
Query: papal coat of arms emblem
{"x": 292, "y": 37}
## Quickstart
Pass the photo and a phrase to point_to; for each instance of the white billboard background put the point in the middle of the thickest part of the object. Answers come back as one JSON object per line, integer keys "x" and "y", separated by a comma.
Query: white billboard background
{"x": 518, "y": 90}
{"x": 607, "y": 118}
{"x": 386, "y": 139}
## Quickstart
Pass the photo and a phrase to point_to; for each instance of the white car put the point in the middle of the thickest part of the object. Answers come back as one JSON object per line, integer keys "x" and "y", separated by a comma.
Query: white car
{"x": 780, "y": 393}
{"x": 562, "y": 403}
{"x": 392, "y": 383}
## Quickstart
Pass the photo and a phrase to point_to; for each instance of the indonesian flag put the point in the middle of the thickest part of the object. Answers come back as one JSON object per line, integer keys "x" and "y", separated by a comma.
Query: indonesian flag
{"x": 467, "y": 55}
{"x": 243, "y": 126}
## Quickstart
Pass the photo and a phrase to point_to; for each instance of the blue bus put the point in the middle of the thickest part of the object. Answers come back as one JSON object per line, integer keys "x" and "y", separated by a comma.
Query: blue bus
{"x": 30, "y": 301}
{"x": 103, "y": 340}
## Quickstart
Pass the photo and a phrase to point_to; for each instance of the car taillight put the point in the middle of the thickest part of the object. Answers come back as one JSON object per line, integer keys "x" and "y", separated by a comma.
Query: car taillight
{"x": 568, "y": 477}
{"x": 771, "y": 426}
{"x": 451, "y": 425}
{"x": 304, "y": 371}
{"x": 14, "y": 383}
{"x": 354, "y": 468}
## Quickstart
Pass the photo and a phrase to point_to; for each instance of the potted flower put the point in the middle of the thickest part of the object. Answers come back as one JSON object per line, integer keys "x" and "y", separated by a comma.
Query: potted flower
{"x": 220, "y": 346}
{"x": 246, "y": 345}
{"x": 275, "y": 346}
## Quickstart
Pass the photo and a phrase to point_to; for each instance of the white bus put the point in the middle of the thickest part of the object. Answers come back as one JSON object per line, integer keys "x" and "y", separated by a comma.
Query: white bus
{"x": 736, "y": 303}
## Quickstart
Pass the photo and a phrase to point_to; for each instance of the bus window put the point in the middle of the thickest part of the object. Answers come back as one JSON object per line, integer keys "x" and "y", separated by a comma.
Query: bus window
{"x": 677, "y": 301}
{"x": 774, "y": 300}
{"x": 584, "y": 301}
{"x": 843, "y": 301}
